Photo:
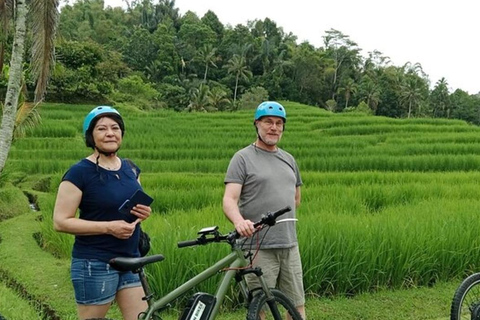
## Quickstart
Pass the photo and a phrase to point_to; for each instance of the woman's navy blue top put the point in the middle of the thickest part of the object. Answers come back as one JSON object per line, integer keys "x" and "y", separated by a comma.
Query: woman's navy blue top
{"x": 103, "y": 192}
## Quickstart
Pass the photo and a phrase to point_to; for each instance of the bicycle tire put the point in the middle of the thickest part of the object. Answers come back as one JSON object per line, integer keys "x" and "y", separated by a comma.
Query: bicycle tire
{"x": 466, "y": 300}
{"x": 259, "y": 303}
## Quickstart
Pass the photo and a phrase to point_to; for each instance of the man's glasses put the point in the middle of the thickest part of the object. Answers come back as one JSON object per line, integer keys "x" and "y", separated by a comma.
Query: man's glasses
{"x": 269, "y": 123}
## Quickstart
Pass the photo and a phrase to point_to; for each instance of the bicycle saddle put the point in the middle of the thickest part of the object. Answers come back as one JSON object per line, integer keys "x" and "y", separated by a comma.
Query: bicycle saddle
{"x": 133, "y": 264}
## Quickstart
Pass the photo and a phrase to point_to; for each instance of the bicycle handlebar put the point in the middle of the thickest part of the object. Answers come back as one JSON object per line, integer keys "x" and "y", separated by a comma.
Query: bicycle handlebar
{"x": 268, "y": 219}
{"x": 187, "y": 243}
{"x": 271, "y": 217}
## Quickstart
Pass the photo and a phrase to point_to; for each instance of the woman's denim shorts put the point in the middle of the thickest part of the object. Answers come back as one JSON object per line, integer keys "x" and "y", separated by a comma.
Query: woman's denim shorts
{"x": 96, "y": 283}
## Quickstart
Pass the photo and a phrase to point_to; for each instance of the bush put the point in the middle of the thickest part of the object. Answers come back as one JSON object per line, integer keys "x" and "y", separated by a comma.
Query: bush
{"x": 133, "y": 89}
{"x": 253, "y": 97}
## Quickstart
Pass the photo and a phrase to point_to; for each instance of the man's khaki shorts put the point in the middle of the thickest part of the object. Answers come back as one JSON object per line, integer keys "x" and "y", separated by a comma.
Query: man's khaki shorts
{"x": 282, "y": 269}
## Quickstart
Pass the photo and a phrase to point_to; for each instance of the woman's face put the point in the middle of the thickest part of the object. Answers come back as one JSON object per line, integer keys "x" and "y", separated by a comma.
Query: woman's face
{"x": 107, "y": 135}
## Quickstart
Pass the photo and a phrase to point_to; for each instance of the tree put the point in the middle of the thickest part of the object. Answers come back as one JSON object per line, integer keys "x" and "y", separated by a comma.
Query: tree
{"x": 207, "y": 56}
{"x": 306, "y": 71}
{"x": 218, "y": 98}
{"x": 199, "y": 99}
{"x": 369, "y": 92}
{"x": 440, "y": 99}
{"x": 348, "y": 88}
{"x": 345, "y": 56}
{"x": 44, "y": 14}
{"x": 413, "y": 87}
{"x": 411, "y": 94}
{"x": 238, "y": 66}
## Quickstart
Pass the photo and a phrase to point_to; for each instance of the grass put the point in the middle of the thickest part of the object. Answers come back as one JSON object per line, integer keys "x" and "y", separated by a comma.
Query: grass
{"x": 13, "y": 306}
{"x": 46, "y": 280}
{"x": 385, "y": 223}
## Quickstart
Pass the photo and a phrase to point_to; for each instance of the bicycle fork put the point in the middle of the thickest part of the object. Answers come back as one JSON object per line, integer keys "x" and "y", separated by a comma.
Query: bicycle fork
{"x": 264, "y": 287}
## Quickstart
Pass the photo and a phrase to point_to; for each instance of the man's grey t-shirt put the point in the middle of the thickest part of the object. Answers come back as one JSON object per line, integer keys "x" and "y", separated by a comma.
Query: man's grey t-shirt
{"x": 269, "y": 181}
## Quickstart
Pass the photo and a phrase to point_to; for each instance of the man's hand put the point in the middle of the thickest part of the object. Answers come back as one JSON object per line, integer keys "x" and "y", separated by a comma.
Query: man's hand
{"x": 245, "y": 228}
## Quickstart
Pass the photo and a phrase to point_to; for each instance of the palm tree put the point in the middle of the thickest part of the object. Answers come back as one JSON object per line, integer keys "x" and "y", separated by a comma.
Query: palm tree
{"x": 218, "y": 98}
{"x": 199, "y": 99}
{"x": 44, "y": 14}
{"x": 370, "y": 93}
{"x": 411, "y": 94}
{"x": 207, "y": 55}
{"x": 238, "y": 66}
{"x": 348, "y": 88}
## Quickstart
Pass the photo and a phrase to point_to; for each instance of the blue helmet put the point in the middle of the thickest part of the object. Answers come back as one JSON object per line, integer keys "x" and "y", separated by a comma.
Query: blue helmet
{"x": 94, "y": 115}
{"x": 271, "y": 109}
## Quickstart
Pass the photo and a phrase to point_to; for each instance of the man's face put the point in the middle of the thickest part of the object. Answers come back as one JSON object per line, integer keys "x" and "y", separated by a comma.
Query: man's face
{"x": 270, "y": 129}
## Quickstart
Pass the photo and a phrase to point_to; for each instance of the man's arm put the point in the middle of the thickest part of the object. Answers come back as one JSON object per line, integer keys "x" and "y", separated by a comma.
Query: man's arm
{"x": 298, "y": 197}
{"x": 230, "y": 208}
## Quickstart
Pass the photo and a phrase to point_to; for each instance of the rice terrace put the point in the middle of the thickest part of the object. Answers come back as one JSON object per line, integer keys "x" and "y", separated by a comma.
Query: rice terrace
{"x": 388, "y": 217}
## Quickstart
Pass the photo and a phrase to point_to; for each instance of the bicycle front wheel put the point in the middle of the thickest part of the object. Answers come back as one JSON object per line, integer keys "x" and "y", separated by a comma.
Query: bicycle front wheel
{"x": 260, "y": 305}
{"x": 466, "y": 300}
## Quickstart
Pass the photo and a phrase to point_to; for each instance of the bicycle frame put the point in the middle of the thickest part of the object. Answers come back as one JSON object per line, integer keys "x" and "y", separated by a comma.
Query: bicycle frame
{"x": 235, "y": 259}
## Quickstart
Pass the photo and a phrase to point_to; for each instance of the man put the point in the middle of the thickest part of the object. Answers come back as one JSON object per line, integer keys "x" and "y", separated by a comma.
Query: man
{"x": 260, "y": 178}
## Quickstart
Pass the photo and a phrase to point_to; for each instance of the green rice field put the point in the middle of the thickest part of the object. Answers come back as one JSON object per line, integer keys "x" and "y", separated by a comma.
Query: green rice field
{"x": 386, "y": 203}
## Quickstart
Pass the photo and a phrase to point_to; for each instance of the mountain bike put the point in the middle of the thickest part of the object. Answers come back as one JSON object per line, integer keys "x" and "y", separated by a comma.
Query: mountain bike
{"x": 261, "y": 303}
{"x": 466, "y": 300}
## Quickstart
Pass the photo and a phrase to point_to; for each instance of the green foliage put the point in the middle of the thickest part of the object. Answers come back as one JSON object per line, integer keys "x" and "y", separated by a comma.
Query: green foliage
{"x": 101, "y": 45}
{"x": 12, "y": 202}
{"x": 174, "y": 96}
{"x": 253, "y": 97}
{"x": 84, "y": 72}
{"x": 362, "y": 108}
{"x": 134, "y": 90}
{"x": 14, "y": 307}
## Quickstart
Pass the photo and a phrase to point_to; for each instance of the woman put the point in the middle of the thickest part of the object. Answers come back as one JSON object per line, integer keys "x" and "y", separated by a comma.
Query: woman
{"x": 97, "y": 186}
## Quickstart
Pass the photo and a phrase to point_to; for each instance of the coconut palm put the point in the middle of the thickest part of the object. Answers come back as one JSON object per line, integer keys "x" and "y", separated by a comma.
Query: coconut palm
{"x": 348, "y": 88}
{"x": 199, "y": 99}
{"x": 208, "y": 56}
{"x": 238, "y": 66}
{"x": 218, "y": 98}
{"x": 44, "y": 15}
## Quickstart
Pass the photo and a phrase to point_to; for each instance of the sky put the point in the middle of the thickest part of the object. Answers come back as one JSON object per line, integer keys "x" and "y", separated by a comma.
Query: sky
{"x": 441, "y": 35}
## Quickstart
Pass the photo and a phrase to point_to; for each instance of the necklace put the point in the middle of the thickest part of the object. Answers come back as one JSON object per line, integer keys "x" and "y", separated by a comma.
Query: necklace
{"x": 115, "y": 166}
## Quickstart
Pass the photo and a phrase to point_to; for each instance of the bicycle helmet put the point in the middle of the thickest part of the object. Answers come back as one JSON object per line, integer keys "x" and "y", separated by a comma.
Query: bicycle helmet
{"x": 92, "y": 118}
{"x": 272, "y": 109}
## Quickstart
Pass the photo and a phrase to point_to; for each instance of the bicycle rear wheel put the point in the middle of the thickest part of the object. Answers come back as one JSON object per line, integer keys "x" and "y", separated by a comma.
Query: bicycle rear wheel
{"x": 259, "y": 304}
{"x": 466, "y": 300}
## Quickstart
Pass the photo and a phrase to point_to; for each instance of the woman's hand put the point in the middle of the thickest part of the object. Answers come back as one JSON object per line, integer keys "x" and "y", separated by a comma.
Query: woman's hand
{"x": 121, "y": 229}
{"x": 141, "y": 211}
